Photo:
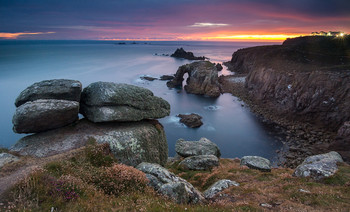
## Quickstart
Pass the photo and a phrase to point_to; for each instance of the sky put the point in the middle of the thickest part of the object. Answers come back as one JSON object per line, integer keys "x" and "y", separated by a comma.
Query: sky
{"x": 213, "y": 20}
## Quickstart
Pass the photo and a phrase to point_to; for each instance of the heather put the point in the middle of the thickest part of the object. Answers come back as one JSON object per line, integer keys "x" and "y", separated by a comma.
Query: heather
{"x": 90, "y": 179}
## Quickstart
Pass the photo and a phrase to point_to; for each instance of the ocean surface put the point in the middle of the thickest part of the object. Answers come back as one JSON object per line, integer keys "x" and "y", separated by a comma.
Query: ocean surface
{"x": 227, "y": 121}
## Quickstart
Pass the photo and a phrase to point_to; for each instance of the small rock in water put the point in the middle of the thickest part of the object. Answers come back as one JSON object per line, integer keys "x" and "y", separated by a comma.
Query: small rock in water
{"x": 192, "y": 120}
{"x": 148, "y": 78}
{"x": 166, "y": 77}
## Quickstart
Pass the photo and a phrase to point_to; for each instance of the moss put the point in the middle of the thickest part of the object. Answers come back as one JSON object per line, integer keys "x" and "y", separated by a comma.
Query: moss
{"x": 3, "y": 150}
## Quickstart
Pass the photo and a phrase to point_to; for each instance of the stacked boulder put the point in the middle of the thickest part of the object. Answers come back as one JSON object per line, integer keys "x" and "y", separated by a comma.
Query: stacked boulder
{"x": 47, "y": 105}
{"x": 107, "y": 101}
{"x": 199, "y": 155}
{"x": 119, "y": 114}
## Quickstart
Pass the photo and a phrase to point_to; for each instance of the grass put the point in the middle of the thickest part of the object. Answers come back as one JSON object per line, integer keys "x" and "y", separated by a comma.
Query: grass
{"x": 92, "y": 180}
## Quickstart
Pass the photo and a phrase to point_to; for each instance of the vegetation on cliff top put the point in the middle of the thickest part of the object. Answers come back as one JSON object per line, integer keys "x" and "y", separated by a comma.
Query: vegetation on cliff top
{"x": 92, "y": 180}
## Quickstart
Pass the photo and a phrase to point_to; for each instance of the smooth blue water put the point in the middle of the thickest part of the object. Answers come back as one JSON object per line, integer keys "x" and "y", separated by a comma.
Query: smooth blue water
{"x": 234, "y": 128}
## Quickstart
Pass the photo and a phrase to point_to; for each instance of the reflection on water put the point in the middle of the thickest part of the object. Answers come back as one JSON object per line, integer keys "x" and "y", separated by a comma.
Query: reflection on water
{"x": 236, "y": 131}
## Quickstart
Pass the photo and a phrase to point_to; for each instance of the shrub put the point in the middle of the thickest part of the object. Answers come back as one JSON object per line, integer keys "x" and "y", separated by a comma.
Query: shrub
{"x": 99, "y": 155}
{"x": 120, "y": 178}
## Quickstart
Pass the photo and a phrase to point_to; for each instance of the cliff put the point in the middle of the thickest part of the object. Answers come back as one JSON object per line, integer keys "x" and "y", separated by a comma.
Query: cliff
{"x": 305, "y": 79}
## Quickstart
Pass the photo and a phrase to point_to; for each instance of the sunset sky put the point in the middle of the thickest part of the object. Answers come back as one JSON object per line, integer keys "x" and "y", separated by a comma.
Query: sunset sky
{"x": 170, "y": 20}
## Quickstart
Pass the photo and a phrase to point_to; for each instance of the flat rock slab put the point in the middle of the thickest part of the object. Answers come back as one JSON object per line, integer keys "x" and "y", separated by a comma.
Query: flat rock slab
{"x": 44, "y": 114}
{"x": 6, "y": 158}
{"x": 256, "y": 162}
{"x": 200, "y": 162}
{"x": 168, "y": 184}
{"x": 131, "y": 143}
{"x": 62, "y": 89}
{"x": 107, "y": 101}
{"x": 191, "y": 120}
{"x": 319, "y": 166}
{"x": 218, "y": 187}
{"x": 192, "y": 148}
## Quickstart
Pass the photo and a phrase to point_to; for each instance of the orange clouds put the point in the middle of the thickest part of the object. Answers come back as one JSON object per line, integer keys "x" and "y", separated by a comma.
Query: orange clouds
{"x": 8, "y": 35}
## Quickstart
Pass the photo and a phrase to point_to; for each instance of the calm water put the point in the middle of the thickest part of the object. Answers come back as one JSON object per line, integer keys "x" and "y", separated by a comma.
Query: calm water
{"x": 233, "y": 127}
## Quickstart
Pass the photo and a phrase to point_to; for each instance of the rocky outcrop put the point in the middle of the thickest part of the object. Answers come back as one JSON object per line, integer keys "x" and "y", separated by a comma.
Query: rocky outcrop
{"x": 61, "y": 89}
{"x": 148, "y": 78}
{"x": 218, "y": 187}
{"x": 6, "y": 158}
{"x": 170, "y": 185}
{"x": 107, "y": 101}
{"x": 131, "y": 143}
{"x": 194, "y": 148}
{"x": 191, "y": 120}
{"x": 181, "y": 53}
{"x": 306, "y": 79}
{"x": 319, "y": 166}
{"x": 200, "y": 162}
{"x": 166, "y": 77}
{"x": 341, "y": 144}
{"x": 202, "y": 79}
{"x": 44, "y": 114}
{"x": 317, "y": 97}
{"x": 256, "y": 162}
{"x": 218, "y": 67}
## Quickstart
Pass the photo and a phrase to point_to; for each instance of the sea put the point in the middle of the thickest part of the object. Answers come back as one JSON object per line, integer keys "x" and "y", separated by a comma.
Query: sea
{"x": 227, "y": 120}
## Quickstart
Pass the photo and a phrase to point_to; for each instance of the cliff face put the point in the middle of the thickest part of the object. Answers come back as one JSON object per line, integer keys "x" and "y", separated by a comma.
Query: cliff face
{"x": 303, "y": 79}
{"x": 318, "y": 97}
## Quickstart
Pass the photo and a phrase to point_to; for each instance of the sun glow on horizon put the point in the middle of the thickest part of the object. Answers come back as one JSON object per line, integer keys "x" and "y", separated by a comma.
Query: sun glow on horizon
{"x": 220, "y": 37}
{"x": 9, "y": 35}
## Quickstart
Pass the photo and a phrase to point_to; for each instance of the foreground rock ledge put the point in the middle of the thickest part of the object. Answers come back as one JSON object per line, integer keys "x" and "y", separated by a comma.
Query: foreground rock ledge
{"x": 131, "y": 143}
{"x": 319, "y": 166}
{"x": 256, "y": 162}
{"x": 168, "y": 184}
{"x": 193, "y": 148}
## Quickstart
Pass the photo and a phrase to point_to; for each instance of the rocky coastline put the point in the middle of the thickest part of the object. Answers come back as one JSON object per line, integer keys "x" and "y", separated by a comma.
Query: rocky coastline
{"x": 298, "y": 92}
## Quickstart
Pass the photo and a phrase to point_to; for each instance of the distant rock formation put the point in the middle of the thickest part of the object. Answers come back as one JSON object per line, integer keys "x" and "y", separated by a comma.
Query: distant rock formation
{"x": 107, "y": 101}
{"x": 181, "y": 53}
{"x": 202, "y": 79}
{"x": 191, "y": 120}
{"x": 166, "y": 77}
{"x": 218, "y": 67}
